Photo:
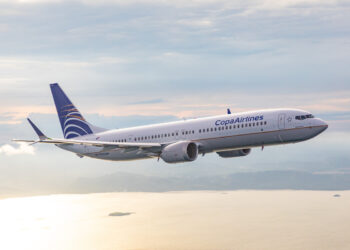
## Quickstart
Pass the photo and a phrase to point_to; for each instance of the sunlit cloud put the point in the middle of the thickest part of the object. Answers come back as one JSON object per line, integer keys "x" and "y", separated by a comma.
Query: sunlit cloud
{"x": 22, "y": 149}
{"x": 16, "y": 114}
{"x": 189, "y": 106}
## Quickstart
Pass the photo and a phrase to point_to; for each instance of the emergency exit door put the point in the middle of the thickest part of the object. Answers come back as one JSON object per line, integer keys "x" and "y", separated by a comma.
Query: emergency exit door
{"x": 281, "y": 121}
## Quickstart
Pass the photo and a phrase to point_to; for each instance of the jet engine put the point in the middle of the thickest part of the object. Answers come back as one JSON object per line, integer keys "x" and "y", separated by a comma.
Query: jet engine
{"x": 234, "y": 153}
{"x": 181, "y": 151}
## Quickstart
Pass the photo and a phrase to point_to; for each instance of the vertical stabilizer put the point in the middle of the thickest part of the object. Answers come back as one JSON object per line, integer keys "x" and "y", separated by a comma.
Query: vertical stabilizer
{"x": 72, "y": 122}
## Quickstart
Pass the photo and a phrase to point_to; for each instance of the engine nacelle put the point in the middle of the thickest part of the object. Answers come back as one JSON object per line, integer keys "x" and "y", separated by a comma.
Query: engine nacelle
{"x": 234, "y": 153}
{"x": 180, "y": 152}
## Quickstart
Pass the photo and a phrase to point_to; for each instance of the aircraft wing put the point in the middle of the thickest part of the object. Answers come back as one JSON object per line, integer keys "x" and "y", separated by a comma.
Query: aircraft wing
{"x": 105, "y": 145}
{"x": 95, "y": 143}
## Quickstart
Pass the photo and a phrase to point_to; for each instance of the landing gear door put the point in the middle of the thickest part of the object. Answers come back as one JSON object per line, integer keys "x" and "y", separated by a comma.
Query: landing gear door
{"x": 281, "y": 121}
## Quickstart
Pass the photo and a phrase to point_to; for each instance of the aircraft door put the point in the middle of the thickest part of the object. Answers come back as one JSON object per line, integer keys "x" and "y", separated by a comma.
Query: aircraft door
{"x": 281, "y": 121}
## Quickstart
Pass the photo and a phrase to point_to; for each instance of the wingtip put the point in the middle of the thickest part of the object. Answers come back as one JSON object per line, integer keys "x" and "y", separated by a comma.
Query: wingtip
{"x": 40, "y": 134}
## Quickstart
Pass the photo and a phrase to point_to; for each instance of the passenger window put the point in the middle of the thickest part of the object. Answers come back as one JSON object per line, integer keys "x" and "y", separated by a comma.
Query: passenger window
{"x": 219, "y": 128}
{"x": 265, "y": 122}
{"x": 230, "y": 127}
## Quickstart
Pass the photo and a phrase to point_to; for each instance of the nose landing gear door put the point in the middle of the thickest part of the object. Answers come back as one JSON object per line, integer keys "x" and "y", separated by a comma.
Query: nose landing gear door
{"x": 281, "y": 121}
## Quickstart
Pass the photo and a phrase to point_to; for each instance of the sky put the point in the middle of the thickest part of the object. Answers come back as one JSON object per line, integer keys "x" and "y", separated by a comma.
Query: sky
{"x": 128, "y": 63}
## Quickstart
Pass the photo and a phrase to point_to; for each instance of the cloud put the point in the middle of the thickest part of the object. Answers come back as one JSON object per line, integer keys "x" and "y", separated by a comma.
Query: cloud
{"x": 23, "y": 148}
{"x": 185, "y": 106}
{"x": 152, "y": 101}
{"x": 16, "y": 114}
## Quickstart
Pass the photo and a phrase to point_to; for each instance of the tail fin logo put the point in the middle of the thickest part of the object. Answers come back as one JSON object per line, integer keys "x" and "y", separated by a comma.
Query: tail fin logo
{"x": 72, "y": 122}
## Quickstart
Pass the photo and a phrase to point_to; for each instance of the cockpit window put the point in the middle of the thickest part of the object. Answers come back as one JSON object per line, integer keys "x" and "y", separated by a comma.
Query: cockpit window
{"x": 303, "y": 117}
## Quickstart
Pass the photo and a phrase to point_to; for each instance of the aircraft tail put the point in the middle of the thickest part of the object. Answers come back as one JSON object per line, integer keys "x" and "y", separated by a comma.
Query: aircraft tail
{"x": 72, "y": 122}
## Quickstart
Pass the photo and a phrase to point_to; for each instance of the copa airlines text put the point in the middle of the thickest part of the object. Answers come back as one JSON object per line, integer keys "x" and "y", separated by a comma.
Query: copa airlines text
{"x": 230, "y": 135}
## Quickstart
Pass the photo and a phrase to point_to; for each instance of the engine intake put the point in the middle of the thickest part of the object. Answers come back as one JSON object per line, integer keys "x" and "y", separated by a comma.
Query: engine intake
{"x": 234, "y": 153}
{"x": 180, "y": 152}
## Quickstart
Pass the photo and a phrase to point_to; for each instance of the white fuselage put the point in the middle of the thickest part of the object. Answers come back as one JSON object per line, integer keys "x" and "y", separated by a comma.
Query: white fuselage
{"x": 211, "y": 134}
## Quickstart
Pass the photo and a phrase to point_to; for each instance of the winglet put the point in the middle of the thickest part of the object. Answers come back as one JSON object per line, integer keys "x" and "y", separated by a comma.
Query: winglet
{"x": 37, "y": 130}
{"x": 228, "y": 111}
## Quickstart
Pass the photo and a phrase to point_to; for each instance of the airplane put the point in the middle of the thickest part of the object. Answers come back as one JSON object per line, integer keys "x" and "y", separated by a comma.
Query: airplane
{"x": 230, "y": 135}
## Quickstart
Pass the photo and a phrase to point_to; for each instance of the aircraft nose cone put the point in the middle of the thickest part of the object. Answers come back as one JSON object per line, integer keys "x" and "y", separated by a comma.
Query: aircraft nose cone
{"x": 323, "y": 125}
